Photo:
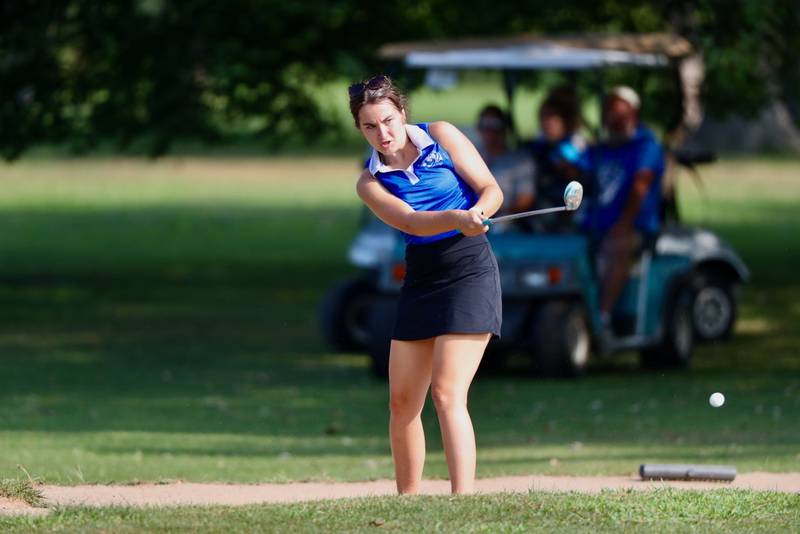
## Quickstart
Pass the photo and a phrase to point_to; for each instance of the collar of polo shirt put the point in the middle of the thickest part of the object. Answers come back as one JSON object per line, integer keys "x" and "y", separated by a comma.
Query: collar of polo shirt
{"x": 416, "y": 135}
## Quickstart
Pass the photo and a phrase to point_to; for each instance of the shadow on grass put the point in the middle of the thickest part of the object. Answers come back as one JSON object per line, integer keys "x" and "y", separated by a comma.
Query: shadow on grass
{"x": 203, "y": 320}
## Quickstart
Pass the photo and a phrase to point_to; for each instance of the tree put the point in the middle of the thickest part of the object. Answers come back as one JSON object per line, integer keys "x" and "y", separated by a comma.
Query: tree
{"x": 80, "y": 72}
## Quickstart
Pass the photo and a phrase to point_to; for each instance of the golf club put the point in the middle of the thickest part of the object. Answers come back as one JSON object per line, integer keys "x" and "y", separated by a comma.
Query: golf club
{"x": 573, "y": 195}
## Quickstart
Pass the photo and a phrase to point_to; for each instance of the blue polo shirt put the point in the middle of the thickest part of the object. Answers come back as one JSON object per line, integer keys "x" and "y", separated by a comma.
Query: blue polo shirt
{"x": 430, "y": 183}
{"x": 613, "y": 168}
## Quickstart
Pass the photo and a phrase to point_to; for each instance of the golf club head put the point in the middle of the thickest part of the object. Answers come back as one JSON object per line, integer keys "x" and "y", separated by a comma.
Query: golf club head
{"x": 573, "y": 195}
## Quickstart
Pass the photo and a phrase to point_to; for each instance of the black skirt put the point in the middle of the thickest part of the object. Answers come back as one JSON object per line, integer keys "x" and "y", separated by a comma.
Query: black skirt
{"x": 452, "y": 286}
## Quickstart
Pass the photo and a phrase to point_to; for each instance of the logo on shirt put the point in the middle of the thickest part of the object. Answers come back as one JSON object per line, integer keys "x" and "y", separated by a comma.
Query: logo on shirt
{"x": 432, "y": 159}
{"x": 610, "y": 178}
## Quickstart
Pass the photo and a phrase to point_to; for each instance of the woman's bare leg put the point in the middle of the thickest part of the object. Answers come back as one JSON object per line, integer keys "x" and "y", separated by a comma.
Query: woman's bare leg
{"x": 409, "y": 379}
{"x": 455, "y": 360}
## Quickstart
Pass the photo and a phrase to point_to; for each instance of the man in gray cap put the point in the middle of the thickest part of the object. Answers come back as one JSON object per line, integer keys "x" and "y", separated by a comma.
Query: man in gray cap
{"x": 627, "y": 167}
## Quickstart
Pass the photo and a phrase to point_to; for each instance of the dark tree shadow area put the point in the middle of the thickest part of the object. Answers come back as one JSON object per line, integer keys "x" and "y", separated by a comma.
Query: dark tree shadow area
{"x": 204, "y": 320}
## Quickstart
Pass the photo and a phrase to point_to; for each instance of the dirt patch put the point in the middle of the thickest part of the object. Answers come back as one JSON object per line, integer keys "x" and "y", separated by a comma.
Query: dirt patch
{"x": 187, "y": 493}
{"x": 14, "y": 507}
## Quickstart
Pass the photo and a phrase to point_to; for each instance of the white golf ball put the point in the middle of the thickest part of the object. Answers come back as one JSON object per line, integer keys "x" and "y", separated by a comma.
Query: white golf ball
{"x": 716, "y": 399}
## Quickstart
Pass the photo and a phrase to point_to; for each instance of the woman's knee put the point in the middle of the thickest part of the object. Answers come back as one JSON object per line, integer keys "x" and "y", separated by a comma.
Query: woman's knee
{"x": 403, "y": 404}
{"x": 446, "y": 398}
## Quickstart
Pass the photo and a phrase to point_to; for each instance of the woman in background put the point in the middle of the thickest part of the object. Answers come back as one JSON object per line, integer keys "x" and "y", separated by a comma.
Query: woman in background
{"x": 558, "y": 152}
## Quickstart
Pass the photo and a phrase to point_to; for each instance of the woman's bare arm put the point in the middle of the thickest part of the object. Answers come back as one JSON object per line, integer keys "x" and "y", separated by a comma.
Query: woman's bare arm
{"x": 400, "y": 215}
{"x": 470, "y": 166}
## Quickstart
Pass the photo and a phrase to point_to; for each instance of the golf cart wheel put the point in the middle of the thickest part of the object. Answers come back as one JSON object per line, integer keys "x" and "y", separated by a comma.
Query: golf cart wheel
{"x": 343, "y": 314}
{"x": 380, "y": 324}
{"x": 713, "y": 308}
{"x": 675, "y": 349}
{"x": 561, "y": 340}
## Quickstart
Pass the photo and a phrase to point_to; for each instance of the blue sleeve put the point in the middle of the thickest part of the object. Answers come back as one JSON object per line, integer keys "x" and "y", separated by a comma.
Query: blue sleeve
{"x": 566, "y": 151}
{"x": 651, "y": 158}
{"x": 586, "y": 160}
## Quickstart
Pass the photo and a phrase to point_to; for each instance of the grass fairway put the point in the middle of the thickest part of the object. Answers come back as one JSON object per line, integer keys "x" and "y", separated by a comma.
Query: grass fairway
{"x": 158, "y": 322}
{"x": 654, "y": 511}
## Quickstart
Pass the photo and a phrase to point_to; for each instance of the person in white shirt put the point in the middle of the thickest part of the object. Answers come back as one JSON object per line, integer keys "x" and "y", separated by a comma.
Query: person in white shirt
{"x": 514, "y": 170}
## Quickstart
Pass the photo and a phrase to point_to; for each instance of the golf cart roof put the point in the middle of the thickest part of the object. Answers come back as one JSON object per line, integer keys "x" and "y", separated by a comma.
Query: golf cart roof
{"x": 528, "y": 51}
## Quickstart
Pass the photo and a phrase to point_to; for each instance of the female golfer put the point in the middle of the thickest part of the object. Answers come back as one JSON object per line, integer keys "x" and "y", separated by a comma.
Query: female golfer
{"x": 428, "y": 181}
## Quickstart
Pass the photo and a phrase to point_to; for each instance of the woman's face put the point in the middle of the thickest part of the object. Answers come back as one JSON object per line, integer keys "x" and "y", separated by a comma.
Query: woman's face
{"x": 383, "y": 126}
{"x": 492, "y": 130}
{"x": 553, "y": 127}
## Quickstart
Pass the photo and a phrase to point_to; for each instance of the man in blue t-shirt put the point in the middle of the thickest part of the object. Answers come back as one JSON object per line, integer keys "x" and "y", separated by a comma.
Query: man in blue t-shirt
{"x": 627, "y": 167}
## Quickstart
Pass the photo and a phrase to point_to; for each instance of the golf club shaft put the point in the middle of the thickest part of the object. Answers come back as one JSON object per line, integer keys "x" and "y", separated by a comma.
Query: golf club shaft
{"x": 524, "y": 214}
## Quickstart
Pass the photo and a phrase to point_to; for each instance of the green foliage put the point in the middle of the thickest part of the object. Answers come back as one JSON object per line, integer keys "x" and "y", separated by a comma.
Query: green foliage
{"x": 745, "y": 46}
{"x": 788, "y": 66}
{"x": 152, "y": 72}
{"x": 21, "y": 490}
{"x": 84, "y": 71}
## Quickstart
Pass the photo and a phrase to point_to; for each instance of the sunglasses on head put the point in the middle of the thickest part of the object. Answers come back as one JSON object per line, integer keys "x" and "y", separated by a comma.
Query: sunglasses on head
{"x": 372, "y": 84}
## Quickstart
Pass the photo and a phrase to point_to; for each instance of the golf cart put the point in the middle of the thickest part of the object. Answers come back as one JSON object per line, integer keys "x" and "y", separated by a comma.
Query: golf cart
{"x": 680, "y": 291}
